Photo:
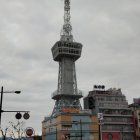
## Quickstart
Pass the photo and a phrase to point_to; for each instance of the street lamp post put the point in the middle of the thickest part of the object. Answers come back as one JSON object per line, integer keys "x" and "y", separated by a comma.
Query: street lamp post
{"x": 1, "y": 111}
{"x": 17, "y": 92}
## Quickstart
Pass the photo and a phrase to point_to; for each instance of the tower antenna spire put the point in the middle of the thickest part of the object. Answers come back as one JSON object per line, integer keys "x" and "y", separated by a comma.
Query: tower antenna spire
{"x": 67, "y": 28}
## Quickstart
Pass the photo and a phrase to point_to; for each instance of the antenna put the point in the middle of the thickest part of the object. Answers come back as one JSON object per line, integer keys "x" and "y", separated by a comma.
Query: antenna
{"x": 67, "y": 28}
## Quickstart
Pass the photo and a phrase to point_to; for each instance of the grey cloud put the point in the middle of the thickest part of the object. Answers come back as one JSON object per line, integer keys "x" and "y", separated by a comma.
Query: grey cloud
{"x": 109, "y": 31}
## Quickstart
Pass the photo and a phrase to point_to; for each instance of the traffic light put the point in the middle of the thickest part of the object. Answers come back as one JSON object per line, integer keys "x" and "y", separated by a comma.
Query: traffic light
{"x": 18, "y": 116}
{"x": 26, "y": 116}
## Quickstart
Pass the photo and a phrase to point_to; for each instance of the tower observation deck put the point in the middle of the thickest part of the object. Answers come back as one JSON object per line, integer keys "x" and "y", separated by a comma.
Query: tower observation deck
{"x": 66, "y": 52}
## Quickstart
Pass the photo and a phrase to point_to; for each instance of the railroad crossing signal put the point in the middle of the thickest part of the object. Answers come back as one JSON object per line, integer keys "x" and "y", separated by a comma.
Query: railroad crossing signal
{"x": 26, "y": 116}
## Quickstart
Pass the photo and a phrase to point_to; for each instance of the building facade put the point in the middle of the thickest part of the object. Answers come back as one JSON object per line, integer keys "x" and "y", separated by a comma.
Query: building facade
{"x": 118, "y": 120}
{"x": 135, "y": 107}
{"x": 71, "y": 126}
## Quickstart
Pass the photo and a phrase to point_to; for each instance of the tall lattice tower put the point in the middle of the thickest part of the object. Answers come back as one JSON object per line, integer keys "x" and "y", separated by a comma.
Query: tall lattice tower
{"x": 66, "y": 52}
{"x": 68, "y": 120}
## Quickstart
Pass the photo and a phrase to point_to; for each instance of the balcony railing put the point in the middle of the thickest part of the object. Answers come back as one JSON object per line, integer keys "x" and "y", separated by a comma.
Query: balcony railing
{"x": 121, "y": 115}
{"x": 55, "y": 93}
{"x": 117, "y": 122}
{"x": 117, "y": 129}
{"x": 85, "y": 111}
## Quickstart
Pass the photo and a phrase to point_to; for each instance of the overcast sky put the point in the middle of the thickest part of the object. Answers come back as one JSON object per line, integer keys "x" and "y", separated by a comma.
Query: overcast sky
{"x": 108, "y": 29}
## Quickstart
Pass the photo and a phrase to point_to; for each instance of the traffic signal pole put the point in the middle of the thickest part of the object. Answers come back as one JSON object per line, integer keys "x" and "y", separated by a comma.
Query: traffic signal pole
{"x": 1, "y": 103}
{"x": 26, "y": 116}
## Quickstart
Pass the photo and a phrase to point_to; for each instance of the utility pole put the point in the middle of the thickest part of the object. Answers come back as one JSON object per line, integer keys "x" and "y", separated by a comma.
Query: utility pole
{"x": 56, "y": 133}
{"x": 100, "y": 132}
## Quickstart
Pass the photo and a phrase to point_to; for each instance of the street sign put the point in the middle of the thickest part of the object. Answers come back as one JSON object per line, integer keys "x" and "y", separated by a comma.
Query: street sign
{"x": 29, "y": 131}
{"x": 100, "y": 116}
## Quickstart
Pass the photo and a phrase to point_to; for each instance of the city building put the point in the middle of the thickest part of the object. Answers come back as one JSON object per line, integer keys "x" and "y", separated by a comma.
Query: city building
{"x": 68, "y": 120}
{"x": 71, "y": 126}
{"x": 118, "y": 121}
{"x": 135, "y": 107}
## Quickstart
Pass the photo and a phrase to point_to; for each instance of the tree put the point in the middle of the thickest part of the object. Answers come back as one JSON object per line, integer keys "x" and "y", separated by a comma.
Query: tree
{"x": 16, "y": 130}
{"x": 4, "y": 132}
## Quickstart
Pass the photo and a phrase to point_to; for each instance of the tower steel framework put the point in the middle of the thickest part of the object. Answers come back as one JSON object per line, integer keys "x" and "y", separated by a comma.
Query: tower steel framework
{"x": 66, "y": 52}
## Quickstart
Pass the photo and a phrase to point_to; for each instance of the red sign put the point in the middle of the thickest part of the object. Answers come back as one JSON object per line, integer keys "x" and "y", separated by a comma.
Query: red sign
{"x": 29, "y": 131}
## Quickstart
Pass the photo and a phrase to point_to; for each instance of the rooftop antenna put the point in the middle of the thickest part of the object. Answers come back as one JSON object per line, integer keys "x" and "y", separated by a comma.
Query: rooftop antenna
{"x": 66, "y": 34}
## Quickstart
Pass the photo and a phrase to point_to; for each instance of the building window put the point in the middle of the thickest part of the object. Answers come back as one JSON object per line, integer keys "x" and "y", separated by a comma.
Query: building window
{"x": 110, "y": 137}
{"x": 109, "y": 98}
{"x": 66, "y": 127}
